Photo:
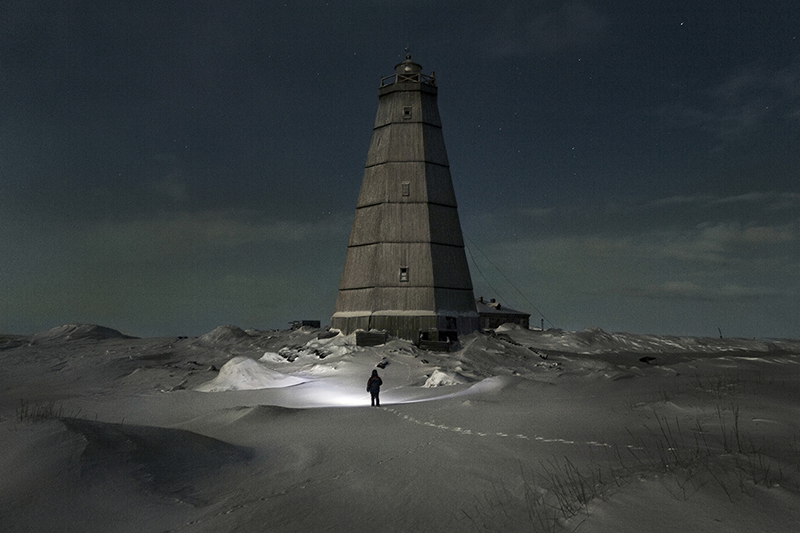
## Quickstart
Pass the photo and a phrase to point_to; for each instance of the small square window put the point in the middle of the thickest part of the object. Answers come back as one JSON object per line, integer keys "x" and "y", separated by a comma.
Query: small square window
{"x": 403, "y": 274}
{"x": 406, "y": 188}
{"x": 407, "y": 112}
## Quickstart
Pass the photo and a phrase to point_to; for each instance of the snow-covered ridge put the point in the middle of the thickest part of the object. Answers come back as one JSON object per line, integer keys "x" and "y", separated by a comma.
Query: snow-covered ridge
{"x": 596, "y": 341}
{"x": 78, "y": 332}
{"x": 226, "y": 333}
{"x": 592, "y": 340}
{"x": 243, "y": 373}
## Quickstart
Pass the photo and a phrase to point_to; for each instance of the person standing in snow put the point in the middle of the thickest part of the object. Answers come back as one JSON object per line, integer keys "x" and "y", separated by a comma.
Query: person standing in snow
{"x": 374, "y": 388}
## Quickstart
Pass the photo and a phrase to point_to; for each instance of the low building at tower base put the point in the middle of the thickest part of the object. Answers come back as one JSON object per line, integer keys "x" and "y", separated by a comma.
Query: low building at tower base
{"x": 493, "y": 314}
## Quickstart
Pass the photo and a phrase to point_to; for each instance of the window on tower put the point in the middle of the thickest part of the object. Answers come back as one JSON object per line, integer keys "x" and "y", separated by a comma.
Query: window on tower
{"x": 403, "y": 274}
{"x": 407, "y": 112}
{"x": 405, "y": 188}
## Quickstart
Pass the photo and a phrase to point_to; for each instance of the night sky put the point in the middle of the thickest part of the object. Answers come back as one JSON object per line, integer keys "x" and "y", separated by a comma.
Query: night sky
{"x": 168, "y": 167}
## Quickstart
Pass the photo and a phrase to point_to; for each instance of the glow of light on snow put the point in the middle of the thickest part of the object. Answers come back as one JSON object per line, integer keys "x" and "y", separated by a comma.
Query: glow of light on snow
{"x": 326, "y": 395}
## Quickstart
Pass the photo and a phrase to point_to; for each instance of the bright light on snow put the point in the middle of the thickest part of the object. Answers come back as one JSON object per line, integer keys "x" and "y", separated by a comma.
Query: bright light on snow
{"x": 328, "y": 395}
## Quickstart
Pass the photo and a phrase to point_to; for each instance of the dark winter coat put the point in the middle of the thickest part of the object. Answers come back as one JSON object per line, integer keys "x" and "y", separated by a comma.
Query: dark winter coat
{"x": 374, "y": 383}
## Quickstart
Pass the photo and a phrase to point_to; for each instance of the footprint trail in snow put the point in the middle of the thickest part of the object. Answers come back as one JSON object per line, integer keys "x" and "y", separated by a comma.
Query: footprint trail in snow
{"x": 466, "y": 431}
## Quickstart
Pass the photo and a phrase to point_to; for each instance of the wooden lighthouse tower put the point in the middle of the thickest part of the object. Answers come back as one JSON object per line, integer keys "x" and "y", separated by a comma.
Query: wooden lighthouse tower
{"x": 405, "y": 270}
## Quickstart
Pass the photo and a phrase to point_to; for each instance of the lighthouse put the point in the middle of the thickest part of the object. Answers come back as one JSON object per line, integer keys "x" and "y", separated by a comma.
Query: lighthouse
{"x": 405, "y": 271}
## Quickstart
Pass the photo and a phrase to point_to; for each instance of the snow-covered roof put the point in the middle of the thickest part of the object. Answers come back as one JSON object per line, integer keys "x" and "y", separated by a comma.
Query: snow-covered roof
{"x": 492, "y": 307}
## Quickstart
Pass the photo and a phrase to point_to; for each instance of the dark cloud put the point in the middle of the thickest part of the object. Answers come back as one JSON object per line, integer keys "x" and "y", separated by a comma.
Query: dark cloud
{"x": 687, "y": 290}
{"x": 736, "y": 251}
{"x": 741, "y": 105}
{"x": 530, "y": 28}
{"x": 170, "y": 166}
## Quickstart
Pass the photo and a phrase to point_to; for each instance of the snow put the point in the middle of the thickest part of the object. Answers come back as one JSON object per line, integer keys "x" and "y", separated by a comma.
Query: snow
{"x": 77, "y": 331}
{"x": 243, "y": 373}
{"x": 439, "y": 379}
{"x": 515, "y": 430}
{"x": 225, "y": 333}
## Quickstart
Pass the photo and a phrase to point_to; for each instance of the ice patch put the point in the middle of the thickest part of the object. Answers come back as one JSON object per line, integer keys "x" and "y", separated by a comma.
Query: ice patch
{"x": 243, "y": 373}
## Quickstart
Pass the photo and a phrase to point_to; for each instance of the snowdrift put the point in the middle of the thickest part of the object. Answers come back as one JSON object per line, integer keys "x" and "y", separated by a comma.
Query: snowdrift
{"x": 78, "y": 332}
{"x": 166, "y": 461}
{"x": 597, "y": 341}
{"x": 243, "y": 373}
{"x": 441, "y": 379}
{"x": 225, "y": 333}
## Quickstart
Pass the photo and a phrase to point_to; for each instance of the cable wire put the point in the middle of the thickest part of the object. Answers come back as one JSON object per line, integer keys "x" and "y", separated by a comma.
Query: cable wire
{"x": 481, "y": 273}
{"x": 504, "y": 276}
